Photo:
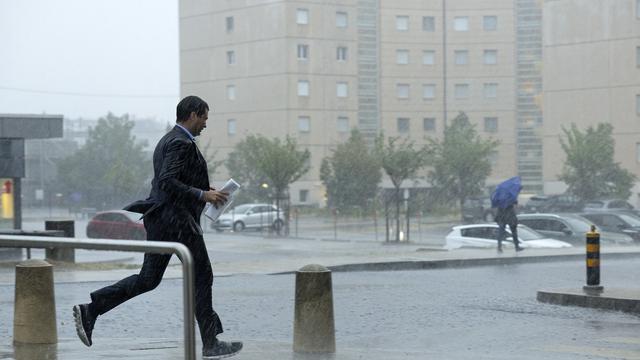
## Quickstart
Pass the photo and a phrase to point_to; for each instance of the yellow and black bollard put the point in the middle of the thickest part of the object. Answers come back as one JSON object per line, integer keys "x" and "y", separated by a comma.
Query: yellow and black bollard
{"x": 593, "y": 261}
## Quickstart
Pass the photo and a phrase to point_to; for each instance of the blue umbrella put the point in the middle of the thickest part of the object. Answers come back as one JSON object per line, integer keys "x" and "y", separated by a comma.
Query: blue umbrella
{"x": 506, "y": 193}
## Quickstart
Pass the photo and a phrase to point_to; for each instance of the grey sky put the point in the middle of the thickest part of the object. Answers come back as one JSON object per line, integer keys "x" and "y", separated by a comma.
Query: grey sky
{"x": 52, "y": 50}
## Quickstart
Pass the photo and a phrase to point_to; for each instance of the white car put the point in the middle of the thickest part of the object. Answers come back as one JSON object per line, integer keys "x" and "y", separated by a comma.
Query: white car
{"x": 250, "y": 216}
{"x": 486, "y": 236}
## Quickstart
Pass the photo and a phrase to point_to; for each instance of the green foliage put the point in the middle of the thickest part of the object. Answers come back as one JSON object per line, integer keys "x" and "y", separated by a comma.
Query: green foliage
{"x": 589, "y": 169}
{"x": 401, "y": 161}
{"x": 461, "y": 161}
{"x": 257, "y": 160}
{"x": 110, "y": 169}
{"x": 351, "y": 174}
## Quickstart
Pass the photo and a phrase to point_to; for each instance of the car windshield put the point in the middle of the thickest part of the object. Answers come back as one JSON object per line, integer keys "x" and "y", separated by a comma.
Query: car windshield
{"x": 579, "y": 225}
{"x": 525, "y": 233}
{"x": 241, "y": 209}
{"x": 630, "y": 219}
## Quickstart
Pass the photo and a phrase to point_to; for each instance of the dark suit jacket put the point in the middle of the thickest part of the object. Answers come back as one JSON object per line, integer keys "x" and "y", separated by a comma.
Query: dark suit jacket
{"x": 179, "y": 175}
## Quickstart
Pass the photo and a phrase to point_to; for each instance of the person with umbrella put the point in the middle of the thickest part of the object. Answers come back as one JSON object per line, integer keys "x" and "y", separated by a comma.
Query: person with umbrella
{"x": 505, "y": 198}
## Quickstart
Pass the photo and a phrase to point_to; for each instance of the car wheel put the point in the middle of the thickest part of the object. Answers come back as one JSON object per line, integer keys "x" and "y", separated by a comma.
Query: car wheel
{"x": 277, "y": 225}
{"x": 238, "y": 226}
{"x": 218, "y": 230}
{"x": 488, "y": 217}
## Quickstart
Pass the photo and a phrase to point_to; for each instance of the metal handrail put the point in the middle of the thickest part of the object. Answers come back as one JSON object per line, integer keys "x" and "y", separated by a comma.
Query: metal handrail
{"x": 160, "y": 247}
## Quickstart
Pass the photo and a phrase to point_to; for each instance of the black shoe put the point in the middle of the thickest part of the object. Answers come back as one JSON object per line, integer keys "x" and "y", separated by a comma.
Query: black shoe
{"x": 84, "y": 323}
{"x": 500, "y": 250}
{"x": 221, "y": 349}
{"x": 518, "y": 249}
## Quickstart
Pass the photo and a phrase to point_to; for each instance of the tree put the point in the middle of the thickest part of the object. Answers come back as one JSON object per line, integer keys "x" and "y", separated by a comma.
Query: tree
{"x": 258, "y": 160}
{"x": 351, "y": 174}
{"x": 210, "y": 157}
{"x": 400, "y": 161}
{"x": 110, "y": 169}
{"x": 461, "y": 161}
{"x": 589, "y": 169}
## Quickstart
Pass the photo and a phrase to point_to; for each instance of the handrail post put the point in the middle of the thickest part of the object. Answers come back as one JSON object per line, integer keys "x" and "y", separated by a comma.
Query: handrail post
{"x": 189, "y": 303}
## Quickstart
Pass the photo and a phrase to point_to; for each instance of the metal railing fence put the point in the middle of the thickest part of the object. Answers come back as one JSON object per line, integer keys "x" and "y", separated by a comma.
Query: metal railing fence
{"x": 159, "y": 247}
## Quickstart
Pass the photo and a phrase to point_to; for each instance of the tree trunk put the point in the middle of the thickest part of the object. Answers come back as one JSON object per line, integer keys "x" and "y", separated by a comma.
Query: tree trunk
{"x": 398, "y": 214}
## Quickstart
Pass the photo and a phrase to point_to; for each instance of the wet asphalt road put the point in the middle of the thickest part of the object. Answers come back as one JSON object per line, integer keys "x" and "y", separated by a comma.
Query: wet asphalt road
{"x": 472, "y": 313}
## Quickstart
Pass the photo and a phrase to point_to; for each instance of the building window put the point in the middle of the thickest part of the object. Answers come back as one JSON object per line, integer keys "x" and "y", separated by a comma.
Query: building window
{"x": 462, "y": 57}
{"x": 428, "y": 23}
{"x": 429, "y": 124}
{"x": 490, "y": 23}
{"x": 231, "y": 92}
{"x": 638, "y": 56}
{"x": 303, "y": 195}
{"x": 637, "y": 9}
{"x": 402, "y": 91}
{"x": 428, "y": 91}
{"x": 303, "y": 88}
{"x": 461, "y": 91}
{"x": 342, "y": 89}
{"x": 341, "y": 53}
{"x": 428, "y": 57}
{"x": 402, "y": 23}
{"x": 490, "y": 57}
{"x": 491, "y": 124}
{"x": 638, "y": 104}
{"x": 342, "y": 124}
{"x": 402, "y": 57}
{"x": 342, "y": 19}
{"x": 403, "y": 125}
{"x": 490, "y": 90}
{"x": 302, "y": 16}
{"x": 461, "y": 23}
{"x": 304, "y": 124}
{"x": 229, "y": 23}
{"x": 231, "y": 57}
{"x": 303, "y": 52}
{"x": 231, "y": 127}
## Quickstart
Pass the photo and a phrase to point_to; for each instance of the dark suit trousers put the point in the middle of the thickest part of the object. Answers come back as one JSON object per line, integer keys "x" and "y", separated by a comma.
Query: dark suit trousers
{"x": 152, "y": 271}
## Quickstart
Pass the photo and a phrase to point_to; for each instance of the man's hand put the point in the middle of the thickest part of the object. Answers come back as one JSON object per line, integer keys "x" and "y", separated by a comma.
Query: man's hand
{"x": 217, "y": 198}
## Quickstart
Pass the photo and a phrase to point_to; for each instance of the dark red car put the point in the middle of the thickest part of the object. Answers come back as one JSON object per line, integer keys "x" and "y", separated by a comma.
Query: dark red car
{"x": 116, "y": 224}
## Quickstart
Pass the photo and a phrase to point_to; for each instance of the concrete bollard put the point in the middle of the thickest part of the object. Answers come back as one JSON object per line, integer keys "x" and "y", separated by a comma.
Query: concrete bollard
{"x": 34, "y": 316}
{"x": 61, "y": 254}
{"x": 313, "y": 326}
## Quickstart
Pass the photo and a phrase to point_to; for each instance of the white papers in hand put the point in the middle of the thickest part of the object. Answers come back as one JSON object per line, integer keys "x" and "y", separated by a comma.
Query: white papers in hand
{"x": 229, "y": 187}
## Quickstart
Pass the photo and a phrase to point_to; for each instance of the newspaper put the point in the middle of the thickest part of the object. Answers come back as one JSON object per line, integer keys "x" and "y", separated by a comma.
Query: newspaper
{"x": 230, "y": 187}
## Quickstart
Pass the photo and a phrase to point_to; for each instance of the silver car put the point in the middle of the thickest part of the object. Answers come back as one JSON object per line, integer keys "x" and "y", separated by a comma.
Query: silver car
{"x": 250, "y": 216}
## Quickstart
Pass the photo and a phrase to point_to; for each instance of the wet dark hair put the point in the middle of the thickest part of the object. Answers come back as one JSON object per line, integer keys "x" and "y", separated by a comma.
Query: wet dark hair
{"x": 188, "y": 105}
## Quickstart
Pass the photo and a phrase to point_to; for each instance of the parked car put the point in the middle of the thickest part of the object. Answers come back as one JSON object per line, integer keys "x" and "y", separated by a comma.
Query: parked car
{"x": 486, "y": 236}
{"x": 116, "y": 224}
{"x": 608, "y": 205}
{"x": 478, "y": 209}
{"x": 618, "y": 222}
{"x": 568, "y": 227}
{"x": 250, "y": 216}
{"x": 552, "y": 204}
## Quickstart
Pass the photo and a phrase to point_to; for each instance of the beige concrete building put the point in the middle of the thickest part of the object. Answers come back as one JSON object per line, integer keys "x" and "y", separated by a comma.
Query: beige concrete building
{"x": 314, "y": 69}
{"x": 591, "y": 75}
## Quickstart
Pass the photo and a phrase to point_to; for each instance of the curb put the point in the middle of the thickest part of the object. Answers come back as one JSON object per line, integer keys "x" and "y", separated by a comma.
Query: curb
{"x": 609, "y": 299}
{"x": 462, "y": 263}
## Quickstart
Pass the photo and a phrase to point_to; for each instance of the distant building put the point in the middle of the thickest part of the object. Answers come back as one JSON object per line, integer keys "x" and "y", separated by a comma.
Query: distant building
{"x": 314, "y": 70}
{"x": 591, "y": 75}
